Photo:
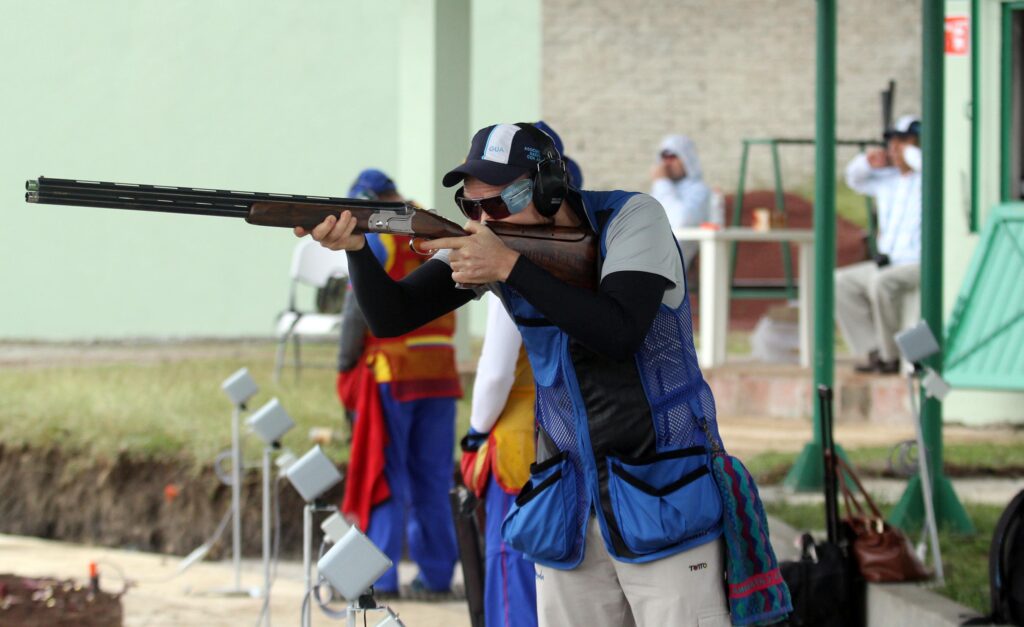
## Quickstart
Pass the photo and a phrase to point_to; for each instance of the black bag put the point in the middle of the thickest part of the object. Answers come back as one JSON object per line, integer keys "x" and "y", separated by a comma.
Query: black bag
{"x": 331, "y": 296}
{"x": 1006, "y": 564}
{"x": 817, "y": 583}
{"x": 1006, "y": 567}
{"x": 826, "y": 585}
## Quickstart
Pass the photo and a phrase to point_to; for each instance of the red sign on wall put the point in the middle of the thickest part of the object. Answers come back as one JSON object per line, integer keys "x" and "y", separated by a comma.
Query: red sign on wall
{"x": 958, "y": 34}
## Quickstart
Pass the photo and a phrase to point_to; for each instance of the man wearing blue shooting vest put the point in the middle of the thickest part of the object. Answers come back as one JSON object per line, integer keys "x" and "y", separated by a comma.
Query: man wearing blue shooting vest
{"x": 621, "y": 514}
{"x": 498, "y": 449}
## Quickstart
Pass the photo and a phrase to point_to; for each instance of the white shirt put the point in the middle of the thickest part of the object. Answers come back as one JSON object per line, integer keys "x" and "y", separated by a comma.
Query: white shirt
{"x": 496, "y": 370}
{"x": 898, "y": 199}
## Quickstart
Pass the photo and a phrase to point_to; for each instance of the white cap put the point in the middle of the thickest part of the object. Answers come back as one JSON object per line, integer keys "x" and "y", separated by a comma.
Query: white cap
{"x": 905, "y": 125}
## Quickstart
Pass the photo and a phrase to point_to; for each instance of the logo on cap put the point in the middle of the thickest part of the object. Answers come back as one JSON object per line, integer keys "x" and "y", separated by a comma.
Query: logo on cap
{"x": 499, "y": 143}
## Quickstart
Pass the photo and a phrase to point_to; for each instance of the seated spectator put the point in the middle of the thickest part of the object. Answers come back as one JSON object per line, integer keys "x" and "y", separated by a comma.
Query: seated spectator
{"x": 678, "y": 184}
{"x": 869, "y": 295}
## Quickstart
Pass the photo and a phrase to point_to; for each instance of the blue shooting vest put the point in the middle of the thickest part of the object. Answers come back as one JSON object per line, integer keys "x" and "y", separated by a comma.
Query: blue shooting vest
{"x": 619, "y": 440}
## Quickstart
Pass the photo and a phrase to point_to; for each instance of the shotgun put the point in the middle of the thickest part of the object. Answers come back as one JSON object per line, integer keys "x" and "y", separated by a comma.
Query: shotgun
{"x": 569, "y": 253}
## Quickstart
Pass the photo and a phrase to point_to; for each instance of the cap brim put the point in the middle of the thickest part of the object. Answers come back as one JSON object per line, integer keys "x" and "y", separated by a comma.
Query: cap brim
{"x": 487, "y": 171}
{"x": 900, "y": 134}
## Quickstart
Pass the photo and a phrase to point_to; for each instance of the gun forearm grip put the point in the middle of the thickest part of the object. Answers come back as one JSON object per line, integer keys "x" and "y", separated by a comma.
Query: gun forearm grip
{"x": 289, "y": 215}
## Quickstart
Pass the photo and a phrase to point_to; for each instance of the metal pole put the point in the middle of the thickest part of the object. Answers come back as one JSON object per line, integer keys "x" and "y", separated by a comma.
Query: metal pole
{"x": 236, "y": 498}
{"x": 780, "y": 207}
{"x": 926, "y": 485}
{"x": 948, "y": 509}
{"x": 307, "y": 562}
{"x": 931, "y": 202}
{"x": 807, "y": 471}
{"x": 266, "y": 532}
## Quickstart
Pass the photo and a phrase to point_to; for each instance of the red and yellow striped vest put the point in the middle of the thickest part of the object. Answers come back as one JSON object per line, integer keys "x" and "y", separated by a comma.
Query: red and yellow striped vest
{"x": 421, "y": 363}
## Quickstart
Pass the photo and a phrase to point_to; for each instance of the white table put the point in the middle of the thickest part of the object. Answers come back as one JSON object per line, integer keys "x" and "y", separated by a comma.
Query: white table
{"x": 715, "y": 279}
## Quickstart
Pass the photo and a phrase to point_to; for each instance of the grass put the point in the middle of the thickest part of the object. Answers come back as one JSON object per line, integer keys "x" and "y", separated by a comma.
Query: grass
{"x": 960, "y": 458}
{"x": 964, "y": 558}
{"x": 166, "y": 408}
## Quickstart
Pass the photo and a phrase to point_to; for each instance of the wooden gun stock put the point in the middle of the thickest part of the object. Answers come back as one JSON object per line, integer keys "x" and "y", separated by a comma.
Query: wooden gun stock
{"x": 566, "y": 252}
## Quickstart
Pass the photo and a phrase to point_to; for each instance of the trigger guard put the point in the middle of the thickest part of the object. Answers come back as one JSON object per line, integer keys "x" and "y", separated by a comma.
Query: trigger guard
{"x": 412, "y": 247}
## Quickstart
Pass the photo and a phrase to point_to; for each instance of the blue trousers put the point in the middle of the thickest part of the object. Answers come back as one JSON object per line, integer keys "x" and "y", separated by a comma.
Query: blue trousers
{"x": 418, "y": 465}
{"x": 510, "y": 594}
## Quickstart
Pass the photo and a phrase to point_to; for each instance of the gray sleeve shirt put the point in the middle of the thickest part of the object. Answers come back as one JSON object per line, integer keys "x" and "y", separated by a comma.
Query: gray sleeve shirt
{"x": 639, "y": 239}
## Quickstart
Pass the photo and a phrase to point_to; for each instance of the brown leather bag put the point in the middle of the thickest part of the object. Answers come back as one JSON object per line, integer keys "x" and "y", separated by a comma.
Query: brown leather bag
{"x": 883, "y": 552}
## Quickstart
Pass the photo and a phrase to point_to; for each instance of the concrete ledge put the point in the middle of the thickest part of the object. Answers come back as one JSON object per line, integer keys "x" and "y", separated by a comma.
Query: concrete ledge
{"x": 749, "y": 388}
{"x": 910, "y": 604}
{"x": 890, "y": 604}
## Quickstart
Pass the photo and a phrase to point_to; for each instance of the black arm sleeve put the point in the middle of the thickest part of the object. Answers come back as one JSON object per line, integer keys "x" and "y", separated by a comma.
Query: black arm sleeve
{"x": 612, "y": 322}
{"x": 396, "y": 307}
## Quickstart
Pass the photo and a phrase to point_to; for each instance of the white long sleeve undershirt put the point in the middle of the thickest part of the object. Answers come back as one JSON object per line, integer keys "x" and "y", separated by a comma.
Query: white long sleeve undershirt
{"x": 496, "y": 370}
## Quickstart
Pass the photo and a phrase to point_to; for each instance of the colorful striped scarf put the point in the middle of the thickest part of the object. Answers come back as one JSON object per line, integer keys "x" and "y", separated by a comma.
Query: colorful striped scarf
{"x": 757, "y": 593}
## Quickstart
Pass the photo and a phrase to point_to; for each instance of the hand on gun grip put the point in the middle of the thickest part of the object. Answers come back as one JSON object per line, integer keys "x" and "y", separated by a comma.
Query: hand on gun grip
{"x": 336, "y": 233}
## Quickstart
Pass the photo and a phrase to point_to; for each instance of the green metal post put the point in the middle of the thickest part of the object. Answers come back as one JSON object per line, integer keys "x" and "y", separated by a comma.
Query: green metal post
{"x": 807, "y": 472}
{"x": 949, "y": 512}
{"x": 737, "y": 210}
{"x": 780, "y": 205}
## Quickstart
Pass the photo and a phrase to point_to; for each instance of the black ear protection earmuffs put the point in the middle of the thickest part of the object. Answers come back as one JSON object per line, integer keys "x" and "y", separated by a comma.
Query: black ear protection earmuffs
{"x": 550, "y": 181}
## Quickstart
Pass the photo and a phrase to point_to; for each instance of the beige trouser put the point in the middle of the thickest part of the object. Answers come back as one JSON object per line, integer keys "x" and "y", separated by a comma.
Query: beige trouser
{"x": 684, "y": 589}
{"x": 869, "y": 305}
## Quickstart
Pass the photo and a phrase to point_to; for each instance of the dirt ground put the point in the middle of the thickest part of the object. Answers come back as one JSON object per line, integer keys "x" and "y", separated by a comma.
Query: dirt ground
{"x": 48, "y": 354}
{"x": 159, "y": 598}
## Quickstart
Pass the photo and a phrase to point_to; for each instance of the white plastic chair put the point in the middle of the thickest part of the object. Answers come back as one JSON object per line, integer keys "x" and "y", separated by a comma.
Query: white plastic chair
{"x": 312, "y": 265}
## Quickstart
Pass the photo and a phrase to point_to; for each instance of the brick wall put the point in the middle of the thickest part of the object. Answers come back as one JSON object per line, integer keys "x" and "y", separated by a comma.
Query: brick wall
{"x": 619, "y": 74}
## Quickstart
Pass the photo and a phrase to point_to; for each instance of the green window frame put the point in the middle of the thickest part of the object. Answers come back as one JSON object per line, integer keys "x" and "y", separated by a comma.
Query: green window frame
{"x": 1007, "y": 177}
{"x": 1007, "y": 10}
{"x": 975, "y": 113}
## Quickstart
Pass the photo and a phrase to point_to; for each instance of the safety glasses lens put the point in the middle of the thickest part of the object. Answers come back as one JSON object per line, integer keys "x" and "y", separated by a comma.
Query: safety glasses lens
{"x": 473, "y": 209}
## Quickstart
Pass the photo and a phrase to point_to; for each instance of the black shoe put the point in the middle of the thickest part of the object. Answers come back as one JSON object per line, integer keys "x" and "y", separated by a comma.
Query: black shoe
{"x": 889, "y": 367}
{"x": 418, "y": 591}
{"x": 873, "y": 364}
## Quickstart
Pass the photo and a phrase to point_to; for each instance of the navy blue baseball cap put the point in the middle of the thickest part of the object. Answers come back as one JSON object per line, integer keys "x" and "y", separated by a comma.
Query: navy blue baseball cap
{"x": 371, "y": 183}
{"x": 542, "y": 125}
{"x": 573, "y": 168}
{"x": 498, "y": 155}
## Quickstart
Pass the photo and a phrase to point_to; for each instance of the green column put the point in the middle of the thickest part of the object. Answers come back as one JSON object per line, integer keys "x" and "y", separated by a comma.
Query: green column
{"x": 949, "y": 512}
{"x": 433, "y": 112}
{"x": 807, "y": 472}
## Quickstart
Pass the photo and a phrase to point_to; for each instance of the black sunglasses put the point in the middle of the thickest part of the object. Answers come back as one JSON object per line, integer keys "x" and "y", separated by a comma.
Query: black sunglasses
{"x": 493, "y": 206}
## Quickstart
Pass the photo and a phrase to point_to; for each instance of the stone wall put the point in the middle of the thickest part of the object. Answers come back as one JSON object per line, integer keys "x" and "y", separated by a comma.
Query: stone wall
{"x": 618, "y": 75}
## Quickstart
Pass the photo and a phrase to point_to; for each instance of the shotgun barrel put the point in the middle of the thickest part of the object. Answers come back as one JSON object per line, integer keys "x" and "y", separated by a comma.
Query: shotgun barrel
{"x": 169, "y": 199}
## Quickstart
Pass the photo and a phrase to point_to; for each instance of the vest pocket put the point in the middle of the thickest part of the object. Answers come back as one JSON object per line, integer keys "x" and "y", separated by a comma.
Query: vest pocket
{"x": 541, "y": 522}
{"x": 664, "y": 499}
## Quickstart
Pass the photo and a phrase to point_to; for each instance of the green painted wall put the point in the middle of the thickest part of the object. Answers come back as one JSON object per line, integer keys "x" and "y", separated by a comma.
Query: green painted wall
{"x": 255, "y": 95}
{"x": 505, "y": 76}
{"x": 969, "y": 406}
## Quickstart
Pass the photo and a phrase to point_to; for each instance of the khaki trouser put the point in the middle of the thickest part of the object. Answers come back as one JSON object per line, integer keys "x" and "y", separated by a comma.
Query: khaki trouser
{"x": 681, "y": 590}
{"x": 869, "y": 305}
